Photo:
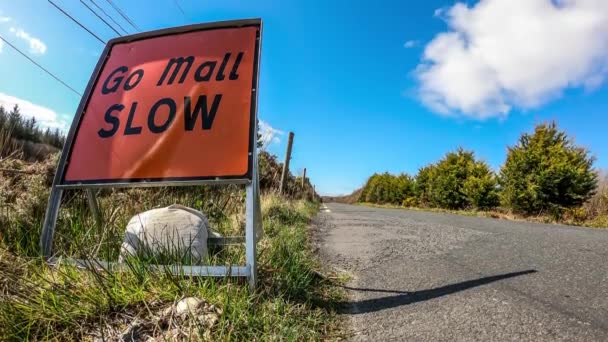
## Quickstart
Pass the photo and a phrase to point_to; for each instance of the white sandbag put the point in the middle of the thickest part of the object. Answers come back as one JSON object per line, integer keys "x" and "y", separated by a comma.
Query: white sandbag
{"x": 172, "y": 231}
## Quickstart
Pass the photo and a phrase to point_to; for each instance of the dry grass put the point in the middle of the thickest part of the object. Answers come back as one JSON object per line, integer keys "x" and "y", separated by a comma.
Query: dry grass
{"x": 595, "y": 211}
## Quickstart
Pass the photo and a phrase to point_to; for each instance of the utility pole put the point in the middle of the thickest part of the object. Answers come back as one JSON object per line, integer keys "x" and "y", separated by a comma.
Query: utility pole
{"x": 304, "y": 182}
{"x": 286, "y": 164}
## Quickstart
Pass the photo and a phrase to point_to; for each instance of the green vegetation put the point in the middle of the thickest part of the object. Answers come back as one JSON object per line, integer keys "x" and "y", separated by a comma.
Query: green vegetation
{"x": 386, "y": 188}
{"x": 19, "y": 135}
{"x": 545, "y": 175}
{"x": 545, "y": 171}
{"x": 62, "y": 302}
{"x": 457, "y": 181}
{"x": 65, "y": 303}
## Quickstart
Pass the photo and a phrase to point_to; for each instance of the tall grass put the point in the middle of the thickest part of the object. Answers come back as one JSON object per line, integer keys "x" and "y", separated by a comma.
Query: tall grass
{"x": 65, "y": 302}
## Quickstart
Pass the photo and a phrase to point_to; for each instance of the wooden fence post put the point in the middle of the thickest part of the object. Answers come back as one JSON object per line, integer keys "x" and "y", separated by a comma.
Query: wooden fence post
{"x": 286, "y": 164}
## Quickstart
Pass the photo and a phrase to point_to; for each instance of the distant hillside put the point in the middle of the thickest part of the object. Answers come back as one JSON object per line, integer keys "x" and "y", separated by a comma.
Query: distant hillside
{"x": 348, "y": 199}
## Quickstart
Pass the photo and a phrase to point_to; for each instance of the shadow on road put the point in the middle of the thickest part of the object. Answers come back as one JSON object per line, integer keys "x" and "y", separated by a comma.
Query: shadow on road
{"x": 372, "y": 290}
{"x": 406, "y": 298}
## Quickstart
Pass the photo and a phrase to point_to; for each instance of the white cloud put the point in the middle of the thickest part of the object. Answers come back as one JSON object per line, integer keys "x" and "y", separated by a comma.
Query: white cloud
{"x": 268, "y": 134}
{"x": 36, "y": 45}
{"x": 504, "y": 54}
{"x": 46, "y": 117}
{"x": 410, "y": 44}
{"x": 5, "y": 19}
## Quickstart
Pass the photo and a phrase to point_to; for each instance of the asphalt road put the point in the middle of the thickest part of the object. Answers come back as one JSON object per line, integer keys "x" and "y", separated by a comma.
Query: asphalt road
{"x": 420, "y": 276}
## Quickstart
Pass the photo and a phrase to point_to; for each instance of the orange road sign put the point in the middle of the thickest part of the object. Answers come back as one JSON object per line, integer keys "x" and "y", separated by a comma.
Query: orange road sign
{"x": 169, "y": 105}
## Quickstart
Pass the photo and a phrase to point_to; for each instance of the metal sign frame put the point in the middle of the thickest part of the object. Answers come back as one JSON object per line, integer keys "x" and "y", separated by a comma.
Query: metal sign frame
{"x": 250, "y": 180}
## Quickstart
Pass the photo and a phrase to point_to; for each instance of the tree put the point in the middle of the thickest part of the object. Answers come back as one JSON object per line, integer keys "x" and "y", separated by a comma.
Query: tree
{"x": 259, "y": 137}
{"x": 546, "y": 171}
{"x": 20, "y": 128}
{"x": 30, "y": 130}
{"x": 15, "y": 122}
{"x": 3, "y": 117}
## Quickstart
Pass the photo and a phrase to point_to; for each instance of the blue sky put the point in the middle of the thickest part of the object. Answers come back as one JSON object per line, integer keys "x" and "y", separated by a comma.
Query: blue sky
{"x": 366, "y": 86}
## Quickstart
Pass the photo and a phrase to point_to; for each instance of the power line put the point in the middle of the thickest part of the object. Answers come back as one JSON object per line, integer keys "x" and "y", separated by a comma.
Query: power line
{"x": 122, "y": 14}
{"x": 100, "y": 18}
{"x": 41, "y": 67}
{"x": 109, "y": 16}
{"x": 180, "y": 9}
{"x": 77, "y": 22}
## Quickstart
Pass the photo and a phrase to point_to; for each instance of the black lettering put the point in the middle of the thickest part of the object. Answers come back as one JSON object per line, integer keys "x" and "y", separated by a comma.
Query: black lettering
{"x": 113, "y": 120}
{"x": 105, "y": 90}
{"x": 235, "y": 67}
{"x": 207, "y": 117}
{"x": 210, "y": 66}
{"x": 138, "y": 72}
{"x": 172, "y": 109}
{"x": 129, "y": 129}
{"x": 220, "y": 73}
{"x": 178, "y": 62}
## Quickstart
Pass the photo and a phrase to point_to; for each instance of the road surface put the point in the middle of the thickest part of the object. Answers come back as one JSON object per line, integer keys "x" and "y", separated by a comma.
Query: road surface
{"x": 420, "y": 276}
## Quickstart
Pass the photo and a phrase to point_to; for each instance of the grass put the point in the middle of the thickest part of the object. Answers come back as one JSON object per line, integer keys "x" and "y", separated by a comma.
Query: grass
{"x": 570, "y": 218}
{"x": 65, "y": 303}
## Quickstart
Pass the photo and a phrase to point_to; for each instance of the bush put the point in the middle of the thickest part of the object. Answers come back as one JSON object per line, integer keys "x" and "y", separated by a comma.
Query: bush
{"x": 410, "y": 202}
{"x": 480, "y": 187}
{"x": 546, "y": 172}
{"x": 270, "y": 171}
{"x": 387, "y": 188}
{"x": 457, "y": 181}
{"x": 422, "y": 186}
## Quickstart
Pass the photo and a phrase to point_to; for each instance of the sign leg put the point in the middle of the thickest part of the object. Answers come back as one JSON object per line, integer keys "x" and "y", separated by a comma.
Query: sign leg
{"x": 50, "y": 219}
{"x": 250, "y": 234}
{"x": 94, "y": 206}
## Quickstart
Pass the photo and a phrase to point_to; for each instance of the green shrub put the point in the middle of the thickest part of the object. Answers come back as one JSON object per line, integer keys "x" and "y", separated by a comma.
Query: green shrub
{"x": 387, "y": 188}
{"x": 422, "y": 184}
{"x": 410, "y": 202}
{"x": 546, "y": 173}
{"x": 369, "y": 191}
{"x": 480, "y": 187}
{"x": 457, "y": 181}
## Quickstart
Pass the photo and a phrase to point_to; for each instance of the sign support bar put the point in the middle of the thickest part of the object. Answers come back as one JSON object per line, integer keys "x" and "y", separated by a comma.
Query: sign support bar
{"x": 50, "y": 219}
{"x": 253, "y": 231}
{"x": 94, "y": 206}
